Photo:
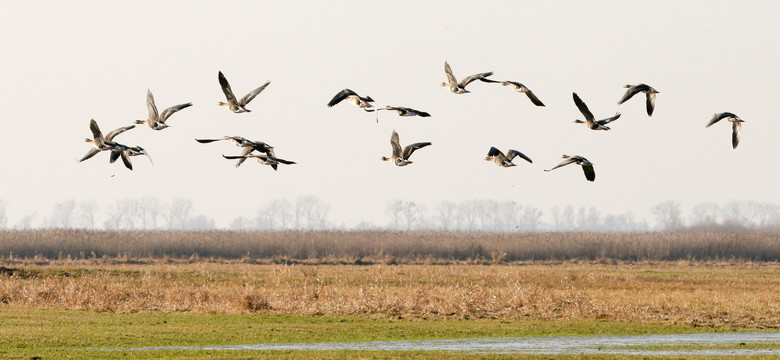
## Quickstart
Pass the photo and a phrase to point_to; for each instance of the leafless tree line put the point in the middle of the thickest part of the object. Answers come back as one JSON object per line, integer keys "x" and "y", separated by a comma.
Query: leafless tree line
{"x": 733, "y": 216}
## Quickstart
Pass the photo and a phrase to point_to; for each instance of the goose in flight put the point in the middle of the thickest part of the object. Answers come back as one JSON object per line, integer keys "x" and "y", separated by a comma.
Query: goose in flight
{"x": 248, "y": 146}
{"x": 125, "y": 152}
{"x": 590, "y": 121}
{"x": 100, "y": 142}
{"x": 262, "y": 159}
{"x": 587, "y": 166}
{"x": 736, "y": 126}
{"x": 401, "y": 111}
{"x": 155, "y": 120}
{"x": 460, "y": 87}
{"x": 237, "y": 106}
{"x": 353, "y": 97}
{"x": 401, "y": 158}
{"x": 502, "y": 160}
{"x": 649, "y": 93}
{"x": 516, "y": 86}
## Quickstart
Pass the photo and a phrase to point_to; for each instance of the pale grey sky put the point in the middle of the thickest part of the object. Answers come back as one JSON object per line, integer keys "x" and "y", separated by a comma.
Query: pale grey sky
{"x": 68, "y": 62}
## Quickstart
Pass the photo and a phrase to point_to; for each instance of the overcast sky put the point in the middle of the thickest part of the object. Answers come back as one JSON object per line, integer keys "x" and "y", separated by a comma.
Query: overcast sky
{"x": 68, "y": 62}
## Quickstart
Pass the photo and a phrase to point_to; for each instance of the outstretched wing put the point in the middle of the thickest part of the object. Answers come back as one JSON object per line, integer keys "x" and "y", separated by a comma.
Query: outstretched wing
{"x": 718, "y": 117}
{"x": 169, "y": 111}
{"x": 110, "y": 136}
{"x": 409, "y": 149}
{"x": 583, "y": 108}
{"x": 632, "y": 90}
{"x": 512, "y": 153}
{"x": 96, "y": 134}
{"x": 533, "y": 98}
{"x": 151, "y": 106}
{"x": 396, "y": 144}
{"x": 735, "y": 134}
{"x": 251, "y": 95}
{"x": 418, "y": 112}
{"x": 341, "y": 95}
{"x": 590, "y": 174}
{"x": 226, "y": 88}
{"x": 469, "y": 79}
{"x": 450, "y": 78}
{"x": 92, "y": 152}
{"x": 563, "y": 163}
{"x": 609, "y": 119}
{"x": 493, "y": 152}
{"x": 206, "y": 141}
{"x": 650, "y": 103}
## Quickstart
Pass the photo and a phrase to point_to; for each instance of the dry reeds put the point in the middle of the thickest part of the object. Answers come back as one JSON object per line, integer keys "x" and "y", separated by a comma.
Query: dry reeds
{"x": 387, "y": 246}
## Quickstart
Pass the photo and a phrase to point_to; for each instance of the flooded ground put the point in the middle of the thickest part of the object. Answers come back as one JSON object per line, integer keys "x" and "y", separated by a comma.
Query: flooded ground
{"x": 534, "y": 345}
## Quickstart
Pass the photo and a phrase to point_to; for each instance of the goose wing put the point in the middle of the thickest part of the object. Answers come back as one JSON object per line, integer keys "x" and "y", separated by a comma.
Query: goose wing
{"x": 493, "y": 152}
{"x": 736, "y": 133}
{"x": 512, "y": 153}
{"x": 226, "y": 88}
{"x": 583, "y": 108}
{"x": 110, "y": 136}
{"x": 96, "y": 134}
{"x": 409, "y": 149}
{"x": 206, "y": 141}
{"x": 395, "y": 143}
{"x": 169, "y": 111}
{"x": 251, "y": 95}
{"x": 450, "y": 77}
{"x": 609, "y": 119}
{"x": 650, "y": 103}
{"x": 632, "y": 90}
{"x": 533, "y": 98}
{"x": 590, "y": 174}
{"x": 125, "y": 158}
{"x": 92, "y": 152}
{"x": 718, "y": 117}
{"x": 568, "y": 161}
{"x": 341, "y": 95}
{"x": 418, "y": 112}
{"x": 469, "y": 79}
{"x": 153, "y": 115}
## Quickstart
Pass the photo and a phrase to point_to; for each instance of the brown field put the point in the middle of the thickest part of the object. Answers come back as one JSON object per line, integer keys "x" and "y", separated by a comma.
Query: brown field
{"x": 738, "y": 295}
{"x": 388, "y": 247}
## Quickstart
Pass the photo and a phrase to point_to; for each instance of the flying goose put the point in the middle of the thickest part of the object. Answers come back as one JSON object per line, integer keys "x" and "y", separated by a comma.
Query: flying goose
{"x": 262, "y": 159}
{"x": 589, "y": 119}
{"x": 237, "y": 106}
{"x": 401, "y": 158}
{"x": 649, "y": 93}
{"x": 736, "y": 126}
{"x": 460, "y": 87}
{"x": 401, "y": 111}
{"x": 100, "y": 142}
{"x": 353, "y": 97}
{"x": 247, "y": 145}
{"x": 587, "y": 166}
{"x": 125, "y": 152}
{"x": 500, "y": 159}
{"x": 157, "y": 121}
{"x": 519, "y": 88}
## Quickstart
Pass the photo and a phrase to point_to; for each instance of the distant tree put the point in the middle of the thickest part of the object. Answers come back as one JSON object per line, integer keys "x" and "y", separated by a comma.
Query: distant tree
{"x": 531, "y": 219}
{"x": 63, "y": 214}
{"x": 149, "y": 212}
{"x": 413, "y": 214}
{"x": 275, "y": 215}
{"x": 705, "y": 214}
{"x": 769, "y": 215}
{"x": 445, "y": 214}
{"x": 668, "y": 215}
{"x": 26, "y": 222}
{"x": 394, "y": 208}
{"x": 741, "y": 213}
{"x": 178, "y": 213}
{"x": 88, "y": 210}
{"x": 468, "y": 214}
{"x": 240, "y": 224}
{"x": 3, "y": 215}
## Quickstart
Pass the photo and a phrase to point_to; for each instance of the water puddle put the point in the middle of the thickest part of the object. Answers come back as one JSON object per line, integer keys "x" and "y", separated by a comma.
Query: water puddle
{"x": 596, "y": 344}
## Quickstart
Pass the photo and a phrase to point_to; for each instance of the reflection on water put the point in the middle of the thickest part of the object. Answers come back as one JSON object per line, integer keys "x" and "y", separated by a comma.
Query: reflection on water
{"x": 528, "y": 345}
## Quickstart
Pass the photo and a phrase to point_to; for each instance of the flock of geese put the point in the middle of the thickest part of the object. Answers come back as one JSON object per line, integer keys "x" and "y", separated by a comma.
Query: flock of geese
{"x": 264, "y": 153}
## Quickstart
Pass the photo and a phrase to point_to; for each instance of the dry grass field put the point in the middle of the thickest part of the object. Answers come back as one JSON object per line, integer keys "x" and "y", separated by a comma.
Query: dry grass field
{"x": 723, "y": 295}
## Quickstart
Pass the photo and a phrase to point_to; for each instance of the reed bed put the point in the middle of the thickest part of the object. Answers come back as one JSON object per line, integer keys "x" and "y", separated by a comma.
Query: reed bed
{"x": 739, "y": 295}
{"x": 413, "y": 247}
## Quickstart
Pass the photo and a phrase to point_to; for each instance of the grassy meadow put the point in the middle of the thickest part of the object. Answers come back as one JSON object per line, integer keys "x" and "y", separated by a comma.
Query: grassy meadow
{"x": 79, "y": 289}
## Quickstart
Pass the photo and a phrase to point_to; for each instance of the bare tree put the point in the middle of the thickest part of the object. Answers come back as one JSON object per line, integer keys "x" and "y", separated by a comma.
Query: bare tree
{"x": 63, "y": 214}
{"x": 3, "y": 215}
{"x": 741, "y": 213}
{"x": 705, "y": 214}
{"x": 178, "y": 213}
{"x": 468, "y": 214}
{"x": 531, "y": 218}
{"x": 149, "y": 212}
{"x": 394, "y": 208}
{"x": 413, "y": 214}
{"x": 26, "y": 222}
{"x": 668, "y": 215}
{"x": 88, "y": 210}
{"x": 445, "y": 214}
